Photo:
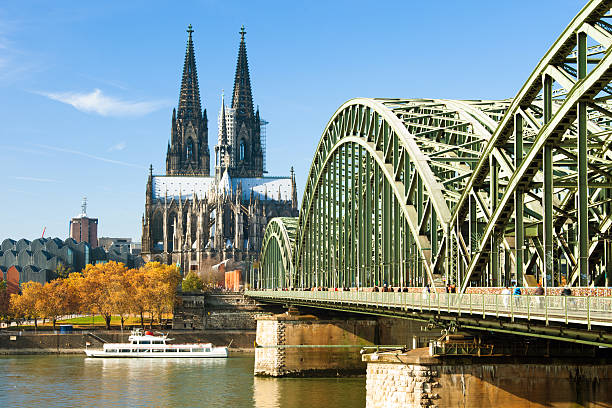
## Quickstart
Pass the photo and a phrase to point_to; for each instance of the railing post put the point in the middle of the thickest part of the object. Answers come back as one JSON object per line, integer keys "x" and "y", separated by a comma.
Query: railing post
{"x": 588, "y": 313}
{"x": 470, "y": 303}
{"x": 458, "y": 297}
{"x": 565, "y": 307}
{"x": 529, "y": 307}
{"x": 546, "y": 309}
{"x": 483, "y": 306}
{"x": 496, "y": 306}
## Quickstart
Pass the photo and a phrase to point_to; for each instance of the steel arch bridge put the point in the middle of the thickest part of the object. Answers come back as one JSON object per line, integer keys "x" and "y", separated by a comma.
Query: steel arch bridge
{"x": 404, "y": 192}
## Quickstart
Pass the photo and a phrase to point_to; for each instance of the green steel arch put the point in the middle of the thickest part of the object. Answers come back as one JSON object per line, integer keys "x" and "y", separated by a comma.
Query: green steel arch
{"x": 477, "y": 193}
{"x": 384, "y": 180}
{"x": 276, "y": 263}
{"x": 559, "y": 186}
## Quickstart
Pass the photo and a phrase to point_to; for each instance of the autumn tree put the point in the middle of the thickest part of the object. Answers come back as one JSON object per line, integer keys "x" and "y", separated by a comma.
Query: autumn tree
{"x": 161, "y": 287}
{"x": 120, "y": 289}
{"x": 192, "y": 283}
{"x": 138, "y": 299}
{"x": 97, "y": 288}
{"x": 26, "y": 304}
{"x": 49, "y": 301}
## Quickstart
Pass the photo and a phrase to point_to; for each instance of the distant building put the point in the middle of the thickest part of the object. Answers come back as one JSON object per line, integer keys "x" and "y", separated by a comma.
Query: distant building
{"x": 120, "y": 245}
{"x": 83, "y": 228}
{"x": 37, "y": 260}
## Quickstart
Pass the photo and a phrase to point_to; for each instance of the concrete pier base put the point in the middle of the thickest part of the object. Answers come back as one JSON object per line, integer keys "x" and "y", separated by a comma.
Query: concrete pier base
{"x": 293, "y": 346}
{"x": 414, "y": 379}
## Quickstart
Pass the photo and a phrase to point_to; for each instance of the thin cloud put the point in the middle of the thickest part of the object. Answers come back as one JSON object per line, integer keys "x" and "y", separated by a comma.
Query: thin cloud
{"x": 37, "y": 179}
{"x": 118, "y": 147}
{"x": 90, "y": 156}
{"x": 98, "y": 103}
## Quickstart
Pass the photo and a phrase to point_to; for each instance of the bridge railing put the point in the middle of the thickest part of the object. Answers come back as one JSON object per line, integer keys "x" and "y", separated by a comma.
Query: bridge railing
{"x": 567, "y": 309}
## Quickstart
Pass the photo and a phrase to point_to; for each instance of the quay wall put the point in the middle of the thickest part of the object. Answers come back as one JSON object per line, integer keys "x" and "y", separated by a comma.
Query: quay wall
{"x": 415, "y": 380}
{"x": 215, "y": 311}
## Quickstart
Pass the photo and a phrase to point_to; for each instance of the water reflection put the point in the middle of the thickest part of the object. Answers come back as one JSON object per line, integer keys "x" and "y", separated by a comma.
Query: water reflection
{"x": 308, "y": 392}
{"x": 67, "y": 381}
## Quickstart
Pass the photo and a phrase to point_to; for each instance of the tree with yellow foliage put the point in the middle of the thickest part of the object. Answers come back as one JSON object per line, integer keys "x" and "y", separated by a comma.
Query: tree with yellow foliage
{"x": 97, "y": 288}
{"x": 26, "y": 305}
{"x": 161, "y": 282}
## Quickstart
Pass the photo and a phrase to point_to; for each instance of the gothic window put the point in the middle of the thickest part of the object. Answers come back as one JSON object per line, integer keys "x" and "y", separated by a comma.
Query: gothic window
{"x": 189, "y": 149}
{"x": 242, "y": 150}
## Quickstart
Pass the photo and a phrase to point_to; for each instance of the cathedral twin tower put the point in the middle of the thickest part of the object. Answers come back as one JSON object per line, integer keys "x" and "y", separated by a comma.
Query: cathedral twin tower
{"x": 198, "y": 221}
{"x": 239, "y": 147}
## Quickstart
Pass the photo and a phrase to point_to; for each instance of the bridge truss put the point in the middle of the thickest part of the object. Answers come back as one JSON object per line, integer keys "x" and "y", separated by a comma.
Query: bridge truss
{"x": 405, "y": 192}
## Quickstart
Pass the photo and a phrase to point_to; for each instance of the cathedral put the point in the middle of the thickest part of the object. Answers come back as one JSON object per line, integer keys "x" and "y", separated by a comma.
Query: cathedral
{"x": 198, "y": 220}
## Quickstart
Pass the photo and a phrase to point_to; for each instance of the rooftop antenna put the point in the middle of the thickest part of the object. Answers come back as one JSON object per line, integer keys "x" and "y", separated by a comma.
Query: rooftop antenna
{"x": 84, "y": 207}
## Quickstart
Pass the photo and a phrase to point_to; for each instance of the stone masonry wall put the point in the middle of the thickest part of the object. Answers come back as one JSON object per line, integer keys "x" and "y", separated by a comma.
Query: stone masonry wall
{"x": 409, "y": 380}
{"x": 294, "y": 346}
{"x": 269, "y": 361}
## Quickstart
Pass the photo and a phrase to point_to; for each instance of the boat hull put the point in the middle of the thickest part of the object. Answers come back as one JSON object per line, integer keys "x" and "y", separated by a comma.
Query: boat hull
{"x": 215, "y": 353}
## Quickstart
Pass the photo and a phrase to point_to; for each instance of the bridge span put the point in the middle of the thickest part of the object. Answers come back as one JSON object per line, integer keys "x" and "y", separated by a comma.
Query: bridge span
{"x": 477, "y": 194}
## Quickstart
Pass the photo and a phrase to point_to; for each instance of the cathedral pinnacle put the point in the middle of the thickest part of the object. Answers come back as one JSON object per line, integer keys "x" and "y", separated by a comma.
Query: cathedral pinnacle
{"x": 189, "y": 99}
{"x": 242, "y": 99}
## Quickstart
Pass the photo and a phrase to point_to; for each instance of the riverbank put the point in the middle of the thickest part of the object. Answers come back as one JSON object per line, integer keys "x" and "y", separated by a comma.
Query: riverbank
{"x": 41, "y": 342}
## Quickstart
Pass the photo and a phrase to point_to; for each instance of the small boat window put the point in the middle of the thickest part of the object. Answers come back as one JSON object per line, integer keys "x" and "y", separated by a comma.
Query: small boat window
{"x": 183, "y": 350}
{"x": 207, "y": 350}
{"x": 145, "y": 342}
{"x": 157, "y": 350}
{"x": 172, "y": 350}
{"x": 197, "y": 350}
{"x": 125, "y": 350}
{"x": 157, "y": 342}
{"x": 111, "y": 350}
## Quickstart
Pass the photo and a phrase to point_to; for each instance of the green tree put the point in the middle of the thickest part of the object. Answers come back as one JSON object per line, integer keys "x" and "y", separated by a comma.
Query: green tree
{"x": 62, "y": 271}
{"x": 192, "y": 283}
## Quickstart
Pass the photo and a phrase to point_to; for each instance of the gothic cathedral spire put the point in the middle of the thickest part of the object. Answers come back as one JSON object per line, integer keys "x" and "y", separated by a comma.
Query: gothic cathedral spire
{"x": 246, "y": 149}
{"x": 242, "y": 100}
{"x": 189, "y": 152}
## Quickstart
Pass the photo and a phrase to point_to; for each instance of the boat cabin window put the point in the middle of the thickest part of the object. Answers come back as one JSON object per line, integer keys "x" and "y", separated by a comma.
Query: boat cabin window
{"x": 112, "y": 350}
{"x": 197, "y": 350}
{"x": 207, "y": 350}
{"x": 157, "y": 342}
{"x": 183, "y": 350}
{"x": 125, "y": 350}
{"x": 145, "y": 342}
{"x": 157, "y": 350}
{"x": 172, "y": 350}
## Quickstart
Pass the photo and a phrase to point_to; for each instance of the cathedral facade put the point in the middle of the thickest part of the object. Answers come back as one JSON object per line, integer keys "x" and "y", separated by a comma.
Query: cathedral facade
{"x": 198, "y": 220}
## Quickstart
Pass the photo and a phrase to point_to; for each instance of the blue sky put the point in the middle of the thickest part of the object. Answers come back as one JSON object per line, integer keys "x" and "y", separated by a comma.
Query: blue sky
{"x": 87, "y": 88}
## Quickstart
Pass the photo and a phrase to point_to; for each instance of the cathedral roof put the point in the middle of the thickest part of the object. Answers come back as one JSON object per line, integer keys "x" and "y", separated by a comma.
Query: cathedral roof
{"x": 189, "y": 99}
{"x": 270, "y": 188}
{"x": 242, "y": 100}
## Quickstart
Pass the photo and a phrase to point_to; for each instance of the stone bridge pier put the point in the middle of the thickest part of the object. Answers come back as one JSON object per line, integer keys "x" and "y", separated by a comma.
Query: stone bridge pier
{"x": 415, "y": 379}
{"x": 297, "y": 345}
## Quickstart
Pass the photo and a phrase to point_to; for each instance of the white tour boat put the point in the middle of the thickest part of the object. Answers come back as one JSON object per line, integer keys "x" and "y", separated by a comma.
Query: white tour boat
{"x": 148, "y": 345}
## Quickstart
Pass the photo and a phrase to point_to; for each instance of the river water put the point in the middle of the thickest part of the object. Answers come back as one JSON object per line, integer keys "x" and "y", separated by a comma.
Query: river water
{"x": 69, "y": 381}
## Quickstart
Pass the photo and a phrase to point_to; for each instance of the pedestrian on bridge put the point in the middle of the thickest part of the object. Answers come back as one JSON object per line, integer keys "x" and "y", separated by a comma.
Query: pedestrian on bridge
{"x": 506, "y": 296}
{"x": 539, "y": 292}
{"x": 516, "y": 292}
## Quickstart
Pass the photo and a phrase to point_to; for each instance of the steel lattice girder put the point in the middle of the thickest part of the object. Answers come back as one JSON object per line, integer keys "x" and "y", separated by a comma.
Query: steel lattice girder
{"x": 276, "y": 266}
{"x": 407, "y": 191}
